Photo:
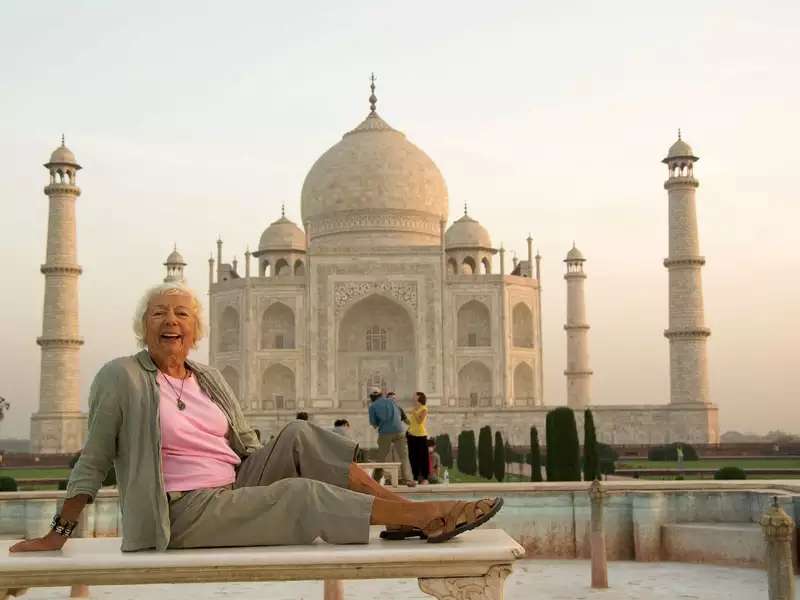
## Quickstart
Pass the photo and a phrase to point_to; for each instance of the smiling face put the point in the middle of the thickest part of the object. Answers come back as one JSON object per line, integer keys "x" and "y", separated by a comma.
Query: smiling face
{"x": 170, "y": 326}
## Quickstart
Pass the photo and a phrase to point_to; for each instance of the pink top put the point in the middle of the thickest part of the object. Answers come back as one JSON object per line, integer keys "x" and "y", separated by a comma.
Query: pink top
{"x": 194, "y": 450}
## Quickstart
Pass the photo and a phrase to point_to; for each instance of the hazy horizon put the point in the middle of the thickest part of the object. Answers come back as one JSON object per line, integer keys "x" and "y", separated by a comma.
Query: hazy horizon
{"x": 194, "y": 120}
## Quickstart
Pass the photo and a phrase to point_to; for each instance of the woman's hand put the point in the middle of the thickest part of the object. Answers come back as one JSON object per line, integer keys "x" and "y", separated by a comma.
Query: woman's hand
{"x": 52, "y": 541}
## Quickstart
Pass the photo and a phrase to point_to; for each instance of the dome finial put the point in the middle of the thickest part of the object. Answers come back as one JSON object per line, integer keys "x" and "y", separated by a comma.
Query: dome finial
{"x": 62, "y": 140}
{"x": 373, "y": 100}
{"x": 465, "y": 209}
{"x": 679, "y": 133}
{"x": 283, "y": 210}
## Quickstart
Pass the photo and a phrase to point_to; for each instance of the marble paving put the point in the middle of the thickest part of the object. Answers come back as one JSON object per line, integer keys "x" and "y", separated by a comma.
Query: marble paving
{"x": 531, "y": 580}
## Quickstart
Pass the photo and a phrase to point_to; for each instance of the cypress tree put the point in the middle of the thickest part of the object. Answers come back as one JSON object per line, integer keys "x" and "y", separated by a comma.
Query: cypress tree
{"x": 535, "y": 456}
{"x": 466, "y": 453}
{"x": 485, "y": 453}
{"x": 563, "y": 449}
{"x": 499, "y": 457}
{"x": 445, "y": 450}
{"x": 550, "y": 446}
{"x": 591, "y": 458}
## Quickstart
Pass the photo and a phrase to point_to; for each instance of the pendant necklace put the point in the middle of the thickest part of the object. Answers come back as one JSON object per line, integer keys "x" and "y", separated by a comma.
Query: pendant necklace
{"x": 181, "y": 404}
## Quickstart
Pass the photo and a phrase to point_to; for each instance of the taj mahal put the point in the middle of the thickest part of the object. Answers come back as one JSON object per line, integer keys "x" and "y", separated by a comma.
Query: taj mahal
{"x": 379, "y": 288}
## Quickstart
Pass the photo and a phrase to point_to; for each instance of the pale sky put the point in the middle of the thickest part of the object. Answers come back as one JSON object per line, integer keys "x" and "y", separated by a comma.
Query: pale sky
{"x": 193, "y": 119}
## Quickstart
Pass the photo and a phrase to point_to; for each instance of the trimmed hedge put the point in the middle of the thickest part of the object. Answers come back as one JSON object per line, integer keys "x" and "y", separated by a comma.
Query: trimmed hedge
{"x": 591, "y": 458}
{"x": 730, "y": 473}
{"x": 535, "y": 456}
{"x": 563, "y": 450}
{"x": 485, "y": 453}
{"x": 466, "y": 459}
{"x": 608, "y": 458}
{"x": 669, "y": 452}
{"x": 8, "y": 484}
{"x": 499, "y": 457}
{"x": 445, "y": 450}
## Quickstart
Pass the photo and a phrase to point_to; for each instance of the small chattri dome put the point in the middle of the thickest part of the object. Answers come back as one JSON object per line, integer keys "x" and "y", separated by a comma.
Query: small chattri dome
{"x": 175, "y": 258}
{"x": 574, "y": 255}
{"x": 282, "y": 234}
{"x": 467, "y": 233}
{"x": 63, "y": 156}
{"x": 680, "y": 149}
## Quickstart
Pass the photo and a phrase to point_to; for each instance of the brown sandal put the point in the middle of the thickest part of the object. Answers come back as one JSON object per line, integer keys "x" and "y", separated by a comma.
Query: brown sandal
{"x": 462, "y": 517}
{"x": 401, "y": 532}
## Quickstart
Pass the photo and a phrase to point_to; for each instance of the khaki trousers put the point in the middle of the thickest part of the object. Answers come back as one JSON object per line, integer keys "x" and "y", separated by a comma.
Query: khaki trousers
{"x": 392, "y": 447}
{"x": 291, "y": 491}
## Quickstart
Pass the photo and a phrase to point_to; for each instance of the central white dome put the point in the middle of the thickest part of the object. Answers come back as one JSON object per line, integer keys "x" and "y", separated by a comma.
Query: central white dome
{"x": 374, "y": 187}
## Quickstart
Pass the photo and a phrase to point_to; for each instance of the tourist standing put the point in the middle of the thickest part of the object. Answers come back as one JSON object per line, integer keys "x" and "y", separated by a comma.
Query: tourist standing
{"x": 418, "y": 438}
{"x": 384, "y": 415}
{"x": 434, "y": 462}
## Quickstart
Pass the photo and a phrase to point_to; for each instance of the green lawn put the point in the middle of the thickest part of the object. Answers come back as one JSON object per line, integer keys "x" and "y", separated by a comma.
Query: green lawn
{"x": 711, "y": 463}
{"x": 457, "y": 476}
{"x": 25, "y": 473}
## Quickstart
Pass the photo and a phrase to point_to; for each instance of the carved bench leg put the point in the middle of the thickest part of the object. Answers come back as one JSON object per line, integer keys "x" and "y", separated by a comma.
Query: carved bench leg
{"x": 488, "y": 587}
{"x": 333, "y": 589}
{"x": 79, "y": 590}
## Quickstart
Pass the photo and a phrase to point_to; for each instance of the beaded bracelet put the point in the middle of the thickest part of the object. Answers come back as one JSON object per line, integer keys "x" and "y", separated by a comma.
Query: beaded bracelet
{"x": 63, "y": 528}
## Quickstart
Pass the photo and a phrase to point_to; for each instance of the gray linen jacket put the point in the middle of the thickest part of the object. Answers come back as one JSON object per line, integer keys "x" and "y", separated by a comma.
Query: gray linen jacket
{"x": 124, "y": 429}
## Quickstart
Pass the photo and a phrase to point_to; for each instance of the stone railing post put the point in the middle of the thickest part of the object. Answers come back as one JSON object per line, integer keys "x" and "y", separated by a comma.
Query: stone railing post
{"x": 778, "y": 530}
{"x": 598, "y": 536}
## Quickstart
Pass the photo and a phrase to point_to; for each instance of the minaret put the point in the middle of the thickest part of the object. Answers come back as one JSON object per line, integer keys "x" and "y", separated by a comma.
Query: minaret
{"x": 579, "y": 375}
{"x": 687, "y": 333}
{"x": 175, "y": 265}
{"x": 58, "y": 426}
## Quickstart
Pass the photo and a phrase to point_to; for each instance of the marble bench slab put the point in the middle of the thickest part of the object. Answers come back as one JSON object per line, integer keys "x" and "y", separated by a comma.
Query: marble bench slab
{"x": 475, "y": 563}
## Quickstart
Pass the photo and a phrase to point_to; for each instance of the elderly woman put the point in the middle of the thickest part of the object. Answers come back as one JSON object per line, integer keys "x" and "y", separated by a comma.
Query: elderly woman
{"x": 191, "y": 472}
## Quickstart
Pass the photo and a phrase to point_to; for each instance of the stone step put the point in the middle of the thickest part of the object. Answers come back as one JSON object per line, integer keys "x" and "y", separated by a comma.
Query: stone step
{"x": 716, "y": 543}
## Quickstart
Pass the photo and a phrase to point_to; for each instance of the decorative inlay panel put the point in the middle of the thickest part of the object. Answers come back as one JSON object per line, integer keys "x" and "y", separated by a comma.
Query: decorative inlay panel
{"x": 347, "y": 292}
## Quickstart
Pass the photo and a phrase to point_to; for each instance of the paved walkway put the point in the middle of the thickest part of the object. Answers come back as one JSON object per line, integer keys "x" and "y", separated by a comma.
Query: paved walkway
{"x": 531, "y": 580}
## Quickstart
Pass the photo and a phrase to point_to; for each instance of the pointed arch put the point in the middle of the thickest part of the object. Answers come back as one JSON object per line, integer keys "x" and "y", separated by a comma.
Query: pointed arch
{"x": 299, "y": 268}
{"x": 452, "y": 266}
{"x": 523, "y": 385}
{"x": 229, "y": 330}
{"x": 232, "y": 377}
{"x": 375, "y": 339}
{"x": 282, "y": 267}
{"x": 277, "y": 327}
{"x": 487, "y": 265}
{"x": 522, "y": 326}
{"x": 474, "y": 325}
{"x": 468, "y": 266}
{"x": 475, "y": 385}
{"x": 277, "y": 387}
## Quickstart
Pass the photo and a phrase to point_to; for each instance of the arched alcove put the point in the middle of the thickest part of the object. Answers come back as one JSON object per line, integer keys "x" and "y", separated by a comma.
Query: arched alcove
{"x": 278, "y": 388}
{"x": 232, "y": 377}
{"x": 299, "y": 268}
{"x": 474, "y": 325}
{"x": 475, "y": 385}
{"x": 229, "y": 330}
{"x": 277, "y": 327}
{"x": 522, "y": 326}
{"x": 523, "y": 385}
{"x": 452, "y": 266}
{"x": 468, "y": 266}
{"x": 376, "y": 342}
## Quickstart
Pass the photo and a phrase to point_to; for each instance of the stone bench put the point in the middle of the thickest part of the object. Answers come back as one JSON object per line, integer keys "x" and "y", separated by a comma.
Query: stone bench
{"x": 472, "y": 566}
{"x": 392, "y": 469}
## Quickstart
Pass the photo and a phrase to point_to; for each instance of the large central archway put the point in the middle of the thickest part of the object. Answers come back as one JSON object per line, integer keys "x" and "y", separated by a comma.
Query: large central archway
{"x": 376, "y": 346}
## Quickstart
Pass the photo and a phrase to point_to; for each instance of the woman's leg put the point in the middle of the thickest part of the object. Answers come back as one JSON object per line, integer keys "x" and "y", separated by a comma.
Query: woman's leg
{"x": 359, "y": 481}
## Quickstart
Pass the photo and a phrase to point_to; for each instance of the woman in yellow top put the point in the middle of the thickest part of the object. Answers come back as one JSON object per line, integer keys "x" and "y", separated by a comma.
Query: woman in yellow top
{"x": 417, "y": 436}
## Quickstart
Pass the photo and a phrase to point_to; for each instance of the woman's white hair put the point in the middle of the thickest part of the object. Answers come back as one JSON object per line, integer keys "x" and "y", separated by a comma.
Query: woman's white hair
{"x": 172, "y": 287}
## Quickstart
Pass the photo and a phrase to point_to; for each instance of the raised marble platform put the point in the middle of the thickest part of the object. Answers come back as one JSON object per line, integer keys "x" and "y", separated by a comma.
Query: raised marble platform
{"x": 478, "y": 560}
